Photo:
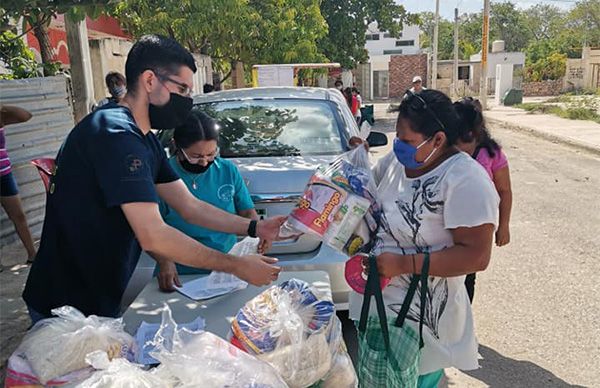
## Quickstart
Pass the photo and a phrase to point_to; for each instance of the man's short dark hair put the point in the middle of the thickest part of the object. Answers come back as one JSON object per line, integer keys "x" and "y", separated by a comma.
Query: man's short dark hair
{"x": 207, "y": 88}
{"x": 158, "y": 53}
{"x": 113, "y": 79}
{"x": 338, "y": 82}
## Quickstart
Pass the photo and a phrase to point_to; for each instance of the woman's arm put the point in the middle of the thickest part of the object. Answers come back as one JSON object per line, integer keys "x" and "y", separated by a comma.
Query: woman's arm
{"x": 249, "y": 213}
{"x": 503, "y": 186}
{"x": 471, "y": 253}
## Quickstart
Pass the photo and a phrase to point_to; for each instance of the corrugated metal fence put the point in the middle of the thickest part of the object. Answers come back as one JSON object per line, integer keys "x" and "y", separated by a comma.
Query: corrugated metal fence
{"x": 47, "y": 100}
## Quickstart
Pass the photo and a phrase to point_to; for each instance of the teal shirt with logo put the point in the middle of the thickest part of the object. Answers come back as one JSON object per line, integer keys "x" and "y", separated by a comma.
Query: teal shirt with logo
{"x": 222, "y": 186}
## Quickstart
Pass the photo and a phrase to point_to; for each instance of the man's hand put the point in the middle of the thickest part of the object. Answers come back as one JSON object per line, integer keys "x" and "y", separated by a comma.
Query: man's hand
{"x": 257, "y": 269}
{"x": 268, "y": 229}
{"x": 390, "y": 264}
{"x": 167, "y": 276}
{"x": 502, "y": 236}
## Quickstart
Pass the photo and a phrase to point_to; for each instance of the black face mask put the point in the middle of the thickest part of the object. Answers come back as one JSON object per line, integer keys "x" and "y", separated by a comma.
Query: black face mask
{"x": 195, "y": 168}
{"x": 172, "y": 114}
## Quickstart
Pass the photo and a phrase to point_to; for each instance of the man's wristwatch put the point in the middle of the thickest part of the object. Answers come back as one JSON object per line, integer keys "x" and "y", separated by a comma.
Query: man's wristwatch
{"x": 252, "y": 228}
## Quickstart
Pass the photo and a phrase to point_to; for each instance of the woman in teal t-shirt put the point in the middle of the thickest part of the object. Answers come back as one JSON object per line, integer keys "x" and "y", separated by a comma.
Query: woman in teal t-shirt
{"x": 209, "y": 178}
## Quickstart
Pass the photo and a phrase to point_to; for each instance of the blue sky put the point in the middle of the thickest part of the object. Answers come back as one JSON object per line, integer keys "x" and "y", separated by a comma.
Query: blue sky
{"x": 447, "y": 6}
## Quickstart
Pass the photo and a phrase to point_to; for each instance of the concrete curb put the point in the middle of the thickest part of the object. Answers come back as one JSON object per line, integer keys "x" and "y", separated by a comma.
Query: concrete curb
{"x": 545, "y": 135}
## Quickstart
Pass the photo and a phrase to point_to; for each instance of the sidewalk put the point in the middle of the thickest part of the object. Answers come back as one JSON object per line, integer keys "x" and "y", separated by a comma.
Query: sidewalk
{"x": 579, "y": 133}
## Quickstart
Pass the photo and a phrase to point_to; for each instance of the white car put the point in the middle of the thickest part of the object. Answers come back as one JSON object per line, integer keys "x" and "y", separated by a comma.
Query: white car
{"x": 277, "y": 137}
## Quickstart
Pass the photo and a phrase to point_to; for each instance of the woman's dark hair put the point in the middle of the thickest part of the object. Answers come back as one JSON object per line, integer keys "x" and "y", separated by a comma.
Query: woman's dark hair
{"x": 429, "y": 112}
{"x": 348, "y": 94}
{"x": 197, "y": 127}
{"x": 472, "y": 125}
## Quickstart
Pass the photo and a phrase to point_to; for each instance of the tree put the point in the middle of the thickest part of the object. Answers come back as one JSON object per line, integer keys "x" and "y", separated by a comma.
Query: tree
{"x": 507, "y": 23}
{"x": 469, "y": 35}
{"x": 583, "y": 22}
{"x": 231, "y": 31}
{"x": 348, "y": 21}
{"x": 544, "y": 21}
{"x": 37, "y": 15}
{"x": 17, "y": 57}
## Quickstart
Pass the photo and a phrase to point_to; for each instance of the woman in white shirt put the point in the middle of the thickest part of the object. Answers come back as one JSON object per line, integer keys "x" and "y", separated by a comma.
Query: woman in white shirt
{"x": 435, "y": 199}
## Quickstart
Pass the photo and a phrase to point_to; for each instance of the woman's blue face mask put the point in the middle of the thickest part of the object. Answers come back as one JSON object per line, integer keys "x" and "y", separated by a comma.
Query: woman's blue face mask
{"x": 405, "y": 153}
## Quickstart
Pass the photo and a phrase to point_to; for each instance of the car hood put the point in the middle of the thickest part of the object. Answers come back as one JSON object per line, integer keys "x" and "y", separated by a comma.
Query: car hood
{"x": 279, "y": 175}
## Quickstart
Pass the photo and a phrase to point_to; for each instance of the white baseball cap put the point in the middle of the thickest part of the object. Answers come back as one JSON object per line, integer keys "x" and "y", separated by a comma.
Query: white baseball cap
{"x": 417, "y": 78}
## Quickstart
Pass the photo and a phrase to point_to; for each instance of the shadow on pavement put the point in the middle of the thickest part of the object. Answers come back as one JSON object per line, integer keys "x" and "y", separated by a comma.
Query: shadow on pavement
{"x": 499, "y": 371}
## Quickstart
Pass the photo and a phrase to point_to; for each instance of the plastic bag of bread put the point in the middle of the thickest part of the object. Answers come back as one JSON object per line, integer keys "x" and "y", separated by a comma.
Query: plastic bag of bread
{"x": 202, "y": 359}
{"x": 57, "y": 346}
{"x": 118, "y": 373}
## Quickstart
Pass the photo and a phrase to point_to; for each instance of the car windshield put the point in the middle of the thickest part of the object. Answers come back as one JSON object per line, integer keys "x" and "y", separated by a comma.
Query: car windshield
{"x": 288, "y": 127}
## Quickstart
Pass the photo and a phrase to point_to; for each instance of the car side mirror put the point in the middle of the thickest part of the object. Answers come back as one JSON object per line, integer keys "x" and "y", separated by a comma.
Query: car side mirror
{"x": 377, "y": 139}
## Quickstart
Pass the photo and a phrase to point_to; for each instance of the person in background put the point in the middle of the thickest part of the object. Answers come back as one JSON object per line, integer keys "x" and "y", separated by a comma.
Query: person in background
{"x": 9, "y": 192}
{"x": 111, "y": 174}
{"x": 417, "y": 83}
{"x": 116, "y": 84}
{"x": 475, "y": 140}
{"x": 208, "y": 88}
{"x": 437, "y": 200}
{"x": 209, "y": 178}
{"x": 339, "y": 85}
{"x": 351, "y": 100}
{"x": 357, "y": 96}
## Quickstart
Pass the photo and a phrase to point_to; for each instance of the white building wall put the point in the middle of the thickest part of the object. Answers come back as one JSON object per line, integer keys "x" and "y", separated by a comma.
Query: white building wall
{"x": 378, "y": 47}
{"x": 502, "y": 58}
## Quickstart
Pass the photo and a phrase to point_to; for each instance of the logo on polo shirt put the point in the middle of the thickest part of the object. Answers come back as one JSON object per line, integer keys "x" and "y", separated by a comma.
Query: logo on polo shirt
{"x": 134, "y": 164}
{"x": 226, "y": 192}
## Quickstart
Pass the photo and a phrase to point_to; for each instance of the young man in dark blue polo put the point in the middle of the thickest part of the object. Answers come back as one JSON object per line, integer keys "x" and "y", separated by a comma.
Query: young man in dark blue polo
{"x": 102, "y": 208}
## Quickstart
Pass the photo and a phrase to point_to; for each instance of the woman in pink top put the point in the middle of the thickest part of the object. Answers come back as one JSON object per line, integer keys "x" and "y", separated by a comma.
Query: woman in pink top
{"x": 9, "y": 193}
{"x": 475, "y": 140}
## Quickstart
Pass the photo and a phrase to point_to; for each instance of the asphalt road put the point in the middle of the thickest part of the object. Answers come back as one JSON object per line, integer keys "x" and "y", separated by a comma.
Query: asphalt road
{"x": 537, "y": 306}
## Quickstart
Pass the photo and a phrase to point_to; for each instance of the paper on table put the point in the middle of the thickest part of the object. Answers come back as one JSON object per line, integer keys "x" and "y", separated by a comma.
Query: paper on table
{"x": 146, "y": 332}
{"x": 215, "y": 284}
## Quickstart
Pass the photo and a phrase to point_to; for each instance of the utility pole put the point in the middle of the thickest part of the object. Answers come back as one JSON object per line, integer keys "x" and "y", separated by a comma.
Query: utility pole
{"x": 483, "y": 89}
{"x": 455, "y": 68}
{"x": 81, "y": 67}
{"x": 434, "y": 64}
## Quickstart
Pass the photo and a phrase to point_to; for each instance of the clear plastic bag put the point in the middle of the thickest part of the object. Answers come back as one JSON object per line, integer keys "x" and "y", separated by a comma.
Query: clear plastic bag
{"x": 118, "y": 373}
{"x": 202, "y": 359}
{"x": 294, "y": 328}
{"x": 338, "y": 205}
{"x": 57, "y": 346}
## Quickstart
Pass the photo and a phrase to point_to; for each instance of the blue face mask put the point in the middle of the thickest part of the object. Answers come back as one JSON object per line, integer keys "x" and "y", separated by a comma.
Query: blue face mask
{"x": 405, "y": 153}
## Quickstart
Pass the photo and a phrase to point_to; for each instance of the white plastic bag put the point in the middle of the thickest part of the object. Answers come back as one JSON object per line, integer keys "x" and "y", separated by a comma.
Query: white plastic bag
{"x": 201, "y": 359}
{"x": 293, "y": 327}
{"x": 118, "y": 373}
{"x": 57, "y": 346}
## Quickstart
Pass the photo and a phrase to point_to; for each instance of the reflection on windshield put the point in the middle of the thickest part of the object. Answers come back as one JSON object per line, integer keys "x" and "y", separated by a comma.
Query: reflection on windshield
{"x": 275, "y": 128}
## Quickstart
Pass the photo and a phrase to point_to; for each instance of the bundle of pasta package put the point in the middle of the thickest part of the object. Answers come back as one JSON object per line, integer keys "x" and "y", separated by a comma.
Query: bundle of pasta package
{"x": 338, "y": 205}
{"x": 294, "y": 328}
{"x": 55, "y": 347}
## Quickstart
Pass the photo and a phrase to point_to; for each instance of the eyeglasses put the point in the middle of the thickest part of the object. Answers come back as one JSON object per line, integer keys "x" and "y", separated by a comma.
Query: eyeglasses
{"x": 184, "y": 89}
{"x": 195, "y": 160}
{"x": 416, "y": 102}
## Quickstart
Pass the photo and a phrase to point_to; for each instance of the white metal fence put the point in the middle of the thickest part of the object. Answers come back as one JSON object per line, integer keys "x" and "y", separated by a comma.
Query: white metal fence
{"x": 48, "y": 101}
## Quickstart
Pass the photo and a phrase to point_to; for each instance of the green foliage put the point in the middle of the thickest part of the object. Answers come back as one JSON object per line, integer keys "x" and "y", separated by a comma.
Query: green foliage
{"x": 18, "y": 58}
{"x": 251, "y": 31}
{"x": 570, "y": 108}
{"x": 552, "y": 67}
{"x": 348, "y": 21}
